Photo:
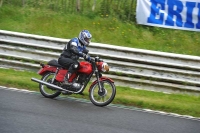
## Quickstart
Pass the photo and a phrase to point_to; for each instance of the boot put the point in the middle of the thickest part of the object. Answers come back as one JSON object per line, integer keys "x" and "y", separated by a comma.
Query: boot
{"x": 66, "y": 80}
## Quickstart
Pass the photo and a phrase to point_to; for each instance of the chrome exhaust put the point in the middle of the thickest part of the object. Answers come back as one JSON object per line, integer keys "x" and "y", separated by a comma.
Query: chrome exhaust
{"x": 55, "y": 86}
{"x": 48, "y": 84}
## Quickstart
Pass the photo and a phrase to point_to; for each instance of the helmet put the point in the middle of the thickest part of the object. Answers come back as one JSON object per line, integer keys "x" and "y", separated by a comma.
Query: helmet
{"x": 85, "y": 37}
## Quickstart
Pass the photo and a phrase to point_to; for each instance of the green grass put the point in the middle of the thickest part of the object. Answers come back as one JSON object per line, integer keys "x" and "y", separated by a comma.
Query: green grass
{"x": 174, "y": 103}
{"x": 107, "y": 30}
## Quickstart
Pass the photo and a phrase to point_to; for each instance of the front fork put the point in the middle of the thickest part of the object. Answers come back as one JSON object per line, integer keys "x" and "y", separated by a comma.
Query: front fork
{"x": 99, "y": 84}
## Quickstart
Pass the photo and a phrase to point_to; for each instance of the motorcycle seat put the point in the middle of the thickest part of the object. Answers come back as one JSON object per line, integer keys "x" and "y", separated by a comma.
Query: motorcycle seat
{"x": 54, "y": 63}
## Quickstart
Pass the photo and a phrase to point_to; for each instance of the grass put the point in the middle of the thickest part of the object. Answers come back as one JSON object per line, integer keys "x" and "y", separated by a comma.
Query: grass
{"x": 174, "y": 103}
{"x": 107, "y": 30}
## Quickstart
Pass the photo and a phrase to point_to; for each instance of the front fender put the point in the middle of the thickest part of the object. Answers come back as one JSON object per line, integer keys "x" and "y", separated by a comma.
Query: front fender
{"x": 101, "y": 79}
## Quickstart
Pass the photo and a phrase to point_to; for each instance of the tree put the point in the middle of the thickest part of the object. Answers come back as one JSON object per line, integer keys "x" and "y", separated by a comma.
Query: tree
{"x": 130, "y": 11}
{"x": 78, "y": 5}
{"x": 1, "y": 3}
{"x": 93, "y": 7}
{"x": 23, "y": 2}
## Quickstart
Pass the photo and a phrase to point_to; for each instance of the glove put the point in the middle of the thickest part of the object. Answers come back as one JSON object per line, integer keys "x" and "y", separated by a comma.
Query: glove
{"x": 86, "y": 57}
{"x": 85, "y": 51}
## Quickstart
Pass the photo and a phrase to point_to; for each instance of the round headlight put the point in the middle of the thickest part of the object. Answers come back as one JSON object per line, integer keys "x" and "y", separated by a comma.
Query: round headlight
{"x": 105, "y": 67}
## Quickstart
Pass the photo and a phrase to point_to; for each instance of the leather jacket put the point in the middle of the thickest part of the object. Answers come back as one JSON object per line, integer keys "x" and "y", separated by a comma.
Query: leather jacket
{"x": 74, "y": 49}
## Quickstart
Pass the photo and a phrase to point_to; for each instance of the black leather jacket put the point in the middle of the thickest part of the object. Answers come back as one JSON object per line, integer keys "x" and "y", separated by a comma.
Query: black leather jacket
{"x": 74, "y": 49}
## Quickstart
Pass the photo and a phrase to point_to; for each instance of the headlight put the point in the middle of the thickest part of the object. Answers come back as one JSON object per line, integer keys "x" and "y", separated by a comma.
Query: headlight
{"x": 104, "y": 67}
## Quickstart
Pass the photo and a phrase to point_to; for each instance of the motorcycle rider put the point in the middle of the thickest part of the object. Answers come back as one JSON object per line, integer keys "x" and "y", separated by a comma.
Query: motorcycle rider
{"x": 74, "y": 49}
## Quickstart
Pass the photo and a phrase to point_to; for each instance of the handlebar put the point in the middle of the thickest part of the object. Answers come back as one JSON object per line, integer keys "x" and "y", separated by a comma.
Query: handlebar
{"x": 92, "y": 59}
{"x": 95, "y": 59}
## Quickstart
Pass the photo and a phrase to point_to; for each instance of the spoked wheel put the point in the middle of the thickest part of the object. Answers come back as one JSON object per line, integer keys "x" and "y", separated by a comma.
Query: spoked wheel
{"x": 104, "y": 97}
{"x": 48, "y": 91}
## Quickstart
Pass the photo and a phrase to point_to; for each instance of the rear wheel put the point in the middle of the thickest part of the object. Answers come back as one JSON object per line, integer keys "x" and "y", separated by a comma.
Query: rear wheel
{"x": 48, "y": 91}
{"x": 106, "y": 96}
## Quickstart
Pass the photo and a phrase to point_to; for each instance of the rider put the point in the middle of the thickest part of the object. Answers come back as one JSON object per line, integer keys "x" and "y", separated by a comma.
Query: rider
{"x": 74, "y": 49}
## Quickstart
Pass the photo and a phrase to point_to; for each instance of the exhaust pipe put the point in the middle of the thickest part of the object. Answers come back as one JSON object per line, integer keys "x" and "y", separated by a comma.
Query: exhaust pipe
{"x": 48, "y": 84}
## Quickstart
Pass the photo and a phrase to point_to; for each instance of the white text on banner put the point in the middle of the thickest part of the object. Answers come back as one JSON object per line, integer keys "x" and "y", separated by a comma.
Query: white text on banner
{"x": 177, "y": 14}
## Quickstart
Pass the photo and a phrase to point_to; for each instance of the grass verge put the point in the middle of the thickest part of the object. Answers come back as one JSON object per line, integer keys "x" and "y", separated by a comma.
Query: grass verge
{"x": 109, "y": 30}
{"x": 174, "y": 103}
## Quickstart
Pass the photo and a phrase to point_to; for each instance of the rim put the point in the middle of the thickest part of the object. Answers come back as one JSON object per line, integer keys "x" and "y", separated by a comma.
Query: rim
{"x": 105, "y": 96}
{"x": 47, "y": 89}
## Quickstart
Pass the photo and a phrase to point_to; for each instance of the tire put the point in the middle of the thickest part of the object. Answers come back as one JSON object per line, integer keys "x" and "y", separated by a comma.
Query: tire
{"x": 48, "y": 91}
{"x": 104, "y": 98}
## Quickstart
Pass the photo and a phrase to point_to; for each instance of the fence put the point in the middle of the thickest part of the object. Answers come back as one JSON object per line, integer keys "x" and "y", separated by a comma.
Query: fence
{"x": 136, "y": 68}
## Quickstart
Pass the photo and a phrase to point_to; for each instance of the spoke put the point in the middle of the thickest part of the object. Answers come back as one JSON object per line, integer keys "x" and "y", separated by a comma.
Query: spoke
{"x": 99, "y": 98}
{"x": 106, "y": 97}
{"x": 103, "y": 99}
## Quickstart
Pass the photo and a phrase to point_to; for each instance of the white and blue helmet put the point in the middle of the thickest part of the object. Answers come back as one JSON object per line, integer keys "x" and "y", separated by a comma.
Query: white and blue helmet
{"x": 85, "y": 37}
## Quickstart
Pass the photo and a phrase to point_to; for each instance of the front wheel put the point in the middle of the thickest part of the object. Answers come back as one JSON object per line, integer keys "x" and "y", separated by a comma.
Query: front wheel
{"x": 48, "y": 91}
{"x": 106, "y": 96}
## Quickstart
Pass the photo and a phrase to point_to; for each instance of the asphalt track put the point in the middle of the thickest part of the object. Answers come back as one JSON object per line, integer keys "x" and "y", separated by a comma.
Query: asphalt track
{"x": 29, "y": 112}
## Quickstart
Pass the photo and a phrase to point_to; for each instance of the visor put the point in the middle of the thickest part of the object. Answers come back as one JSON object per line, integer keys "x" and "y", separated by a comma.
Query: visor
{"x": 87, "y": 39}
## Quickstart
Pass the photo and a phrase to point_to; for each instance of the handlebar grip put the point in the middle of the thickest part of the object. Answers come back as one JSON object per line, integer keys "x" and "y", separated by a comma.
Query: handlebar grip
{"x": 92, "y": 59}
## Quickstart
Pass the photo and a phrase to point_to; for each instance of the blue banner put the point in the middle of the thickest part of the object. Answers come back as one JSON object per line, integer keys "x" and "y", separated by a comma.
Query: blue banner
{"x": 177, "y": 14}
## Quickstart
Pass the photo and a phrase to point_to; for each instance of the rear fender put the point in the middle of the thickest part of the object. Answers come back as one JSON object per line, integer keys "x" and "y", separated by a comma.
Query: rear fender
{"x": 46, "y": 68}
{"x": 101, "y": 79}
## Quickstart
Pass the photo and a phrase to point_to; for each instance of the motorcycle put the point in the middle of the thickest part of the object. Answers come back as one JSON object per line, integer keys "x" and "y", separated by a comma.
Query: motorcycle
{"x": 102, "y": 91}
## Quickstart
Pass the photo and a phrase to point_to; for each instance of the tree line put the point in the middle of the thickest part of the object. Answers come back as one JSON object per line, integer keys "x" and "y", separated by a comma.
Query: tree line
{"x": 123, "y": 9}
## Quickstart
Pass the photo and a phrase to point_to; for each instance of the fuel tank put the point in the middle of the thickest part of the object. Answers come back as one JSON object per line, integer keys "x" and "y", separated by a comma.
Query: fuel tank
{"x": 85, "y": 67}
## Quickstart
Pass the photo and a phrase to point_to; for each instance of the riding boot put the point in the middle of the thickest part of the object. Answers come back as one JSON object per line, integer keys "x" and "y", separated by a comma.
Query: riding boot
{"x": 66, "y": 80}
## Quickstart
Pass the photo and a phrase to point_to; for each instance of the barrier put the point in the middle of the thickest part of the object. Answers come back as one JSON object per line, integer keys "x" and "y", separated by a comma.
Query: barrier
{"x": 136, "y": 68}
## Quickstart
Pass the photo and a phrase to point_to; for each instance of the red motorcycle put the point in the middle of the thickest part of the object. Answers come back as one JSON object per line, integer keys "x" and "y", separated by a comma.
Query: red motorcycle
{"x": 101, "y": 92}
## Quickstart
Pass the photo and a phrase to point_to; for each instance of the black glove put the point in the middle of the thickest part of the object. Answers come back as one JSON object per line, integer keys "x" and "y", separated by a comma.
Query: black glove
{"x": 85, "y": 51}
{"x": 86, "y": 57}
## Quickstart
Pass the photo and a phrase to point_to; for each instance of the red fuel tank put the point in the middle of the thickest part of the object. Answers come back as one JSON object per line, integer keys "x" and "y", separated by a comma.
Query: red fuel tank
{"x": 85, "y": 67}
